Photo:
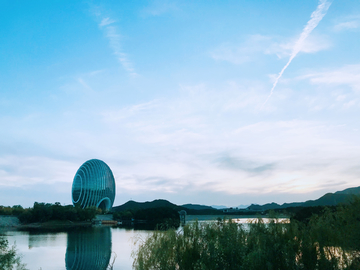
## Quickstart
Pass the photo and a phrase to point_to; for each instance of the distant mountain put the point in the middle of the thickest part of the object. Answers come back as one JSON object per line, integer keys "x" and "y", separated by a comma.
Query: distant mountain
{"x": 219, "y": 206}
{"x": 145, "y": 205}
{"x": 327, "y": 200}
{"x": 191, "y": 209}
{"x": 242, "y": 206}
{"x": 196, "y": 206}
{"x": 197, "y": 209}
{"x": 354, "y": 191}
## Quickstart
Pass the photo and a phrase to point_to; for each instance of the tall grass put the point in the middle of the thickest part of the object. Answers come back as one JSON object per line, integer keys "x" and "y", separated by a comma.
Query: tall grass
{"x": 328, "y": 241}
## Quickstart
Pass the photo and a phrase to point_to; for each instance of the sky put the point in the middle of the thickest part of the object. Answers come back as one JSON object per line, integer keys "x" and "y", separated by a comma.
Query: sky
{"x": 205, "y": 102}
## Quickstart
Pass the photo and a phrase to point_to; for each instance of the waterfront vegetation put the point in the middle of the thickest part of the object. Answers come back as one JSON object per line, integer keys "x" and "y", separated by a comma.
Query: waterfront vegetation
{"x": 315, "y": 238}
{"x": 9, "y": 259}
{"x": 43, "y": 212}
{"x": 161, "y": 218}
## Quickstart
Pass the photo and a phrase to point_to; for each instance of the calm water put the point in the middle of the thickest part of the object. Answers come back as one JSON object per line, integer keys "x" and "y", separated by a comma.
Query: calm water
{"x": 92, "y": 248}
{"x": 80, "y": 249}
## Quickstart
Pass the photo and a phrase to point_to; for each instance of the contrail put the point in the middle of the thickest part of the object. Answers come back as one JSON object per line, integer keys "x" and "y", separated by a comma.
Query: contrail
{"x": 114, "y": 39}
{"x": 316, "y": 17}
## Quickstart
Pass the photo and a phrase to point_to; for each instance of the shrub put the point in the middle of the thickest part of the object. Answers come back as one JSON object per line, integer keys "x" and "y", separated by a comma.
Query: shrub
{"x": 8, "y": 258}
{"x": 327, "y": 241}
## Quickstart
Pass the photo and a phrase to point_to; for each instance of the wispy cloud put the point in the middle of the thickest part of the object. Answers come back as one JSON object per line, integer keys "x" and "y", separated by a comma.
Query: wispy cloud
{"x": 238, "y": 54}
{"x": 22, "y": 171}
{"x": 256, "y": 45}
{"x": 114, "y": 37}
{"x": 157, "y": 8}
{"x": 348, "y": 23}
{"x": 106, "y": 21}
{"x": 316, "y": 17}
{"x": 115, "y": 44}
{"x": 165, "y": 147}
{"x": 342, "y": 88}
{"x": 347, "y": 75}
{"x": 312, "y": 44}
{"x": 113, "y": 116}
{"x": 85, "y": 85}
{"x": 229, "y": 162}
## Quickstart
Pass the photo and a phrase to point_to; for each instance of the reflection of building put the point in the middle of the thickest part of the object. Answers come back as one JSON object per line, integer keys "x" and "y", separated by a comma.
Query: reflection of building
{"x": 94, "y": 185}
{"x": 88, "y": 249}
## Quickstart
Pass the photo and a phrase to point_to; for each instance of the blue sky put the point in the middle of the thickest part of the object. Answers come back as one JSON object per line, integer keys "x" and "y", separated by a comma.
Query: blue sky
{"x": 209, "y": 102}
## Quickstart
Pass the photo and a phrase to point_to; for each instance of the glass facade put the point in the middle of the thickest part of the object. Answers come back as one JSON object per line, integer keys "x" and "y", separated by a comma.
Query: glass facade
{"x": 88, "y": 249}
{"x": 94, "y": 185}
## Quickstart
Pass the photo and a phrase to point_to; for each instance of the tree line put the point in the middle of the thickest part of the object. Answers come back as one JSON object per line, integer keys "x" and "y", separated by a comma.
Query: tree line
{"x": 42, "y": 212}
{"x": 151, "y": 218}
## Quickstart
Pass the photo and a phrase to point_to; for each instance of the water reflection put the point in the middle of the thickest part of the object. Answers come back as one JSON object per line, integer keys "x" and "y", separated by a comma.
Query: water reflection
{"x": 88, "y": 249}
{"x": 42, "y": 239}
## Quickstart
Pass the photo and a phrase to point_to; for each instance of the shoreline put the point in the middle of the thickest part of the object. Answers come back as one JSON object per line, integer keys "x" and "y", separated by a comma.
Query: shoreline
{"x": 227, "y": 217}
{"x": 13, "y": 223}
{"x": 54, "y": 225}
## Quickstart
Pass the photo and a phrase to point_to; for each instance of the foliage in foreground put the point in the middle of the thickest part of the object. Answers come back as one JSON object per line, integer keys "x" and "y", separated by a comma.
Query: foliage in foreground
{"x": 328, "y": 241}
{"x": 8, "y": 258}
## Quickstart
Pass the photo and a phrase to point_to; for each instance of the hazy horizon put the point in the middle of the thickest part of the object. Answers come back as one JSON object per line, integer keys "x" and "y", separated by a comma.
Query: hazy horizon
{"x": 206, "y": 102}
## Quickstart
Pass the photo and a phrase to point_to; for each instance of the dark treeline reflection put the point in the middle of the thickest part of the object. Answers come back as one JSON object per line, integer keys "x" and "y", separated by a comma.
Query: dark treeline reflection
{"x": 88, "y": 249}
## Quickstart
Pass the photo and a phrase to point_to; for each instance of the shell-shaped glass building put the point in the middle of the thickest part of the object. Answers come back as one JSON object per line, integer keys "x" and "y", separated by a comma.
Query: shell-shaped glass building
{"x": 94, "y": 185}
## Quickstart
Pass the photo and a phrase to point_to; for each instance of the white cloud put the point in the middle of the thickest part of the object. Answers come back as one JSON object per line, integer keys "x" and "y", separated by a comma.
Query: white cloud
{"x": 157, "y": 8}
{"x": 107, "y": 24}
{"x": 185, "y": 139}
{"x": 129, "y": 111}
{"x": 167, "y": 147}
{"x": 346, "y": 25}
{"x": 336, "y": 89}
{"x": 282, "y": 47}
{"x": 106, "y": 21}
{"x": 312, "y": 44}
{"x": 255, "y": 44}
{"x": 115, "y": 44}
{"x": 350, "y": 22}
{"x": 25, "y": 171}
{"x": 316, "y": 17}
{"x": 85, "y": 85}
{"x": 238, "y": 54}
{"x": 348, "y": 75}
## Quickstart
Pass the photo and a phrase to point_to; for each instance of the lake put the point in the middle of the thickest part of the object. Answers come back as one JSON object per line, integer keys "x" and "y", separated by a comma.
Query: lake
{"x": 83, "y": 248}
{"x": 86, "y": 248}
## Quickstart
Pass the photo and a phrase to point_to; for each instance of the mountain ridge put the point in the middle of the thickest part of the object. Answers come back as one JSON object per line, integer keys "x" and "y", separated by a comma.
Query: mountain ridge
{"x": 327, "y": 199}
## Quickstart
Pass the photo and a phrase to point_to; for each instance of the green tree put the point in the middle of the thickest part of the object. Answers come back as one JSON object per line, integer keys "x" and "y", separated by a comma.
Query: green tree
{"x": 42, "y": 212}
{"x": 17, "y": 210}
{"x": 8, "y": 258}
